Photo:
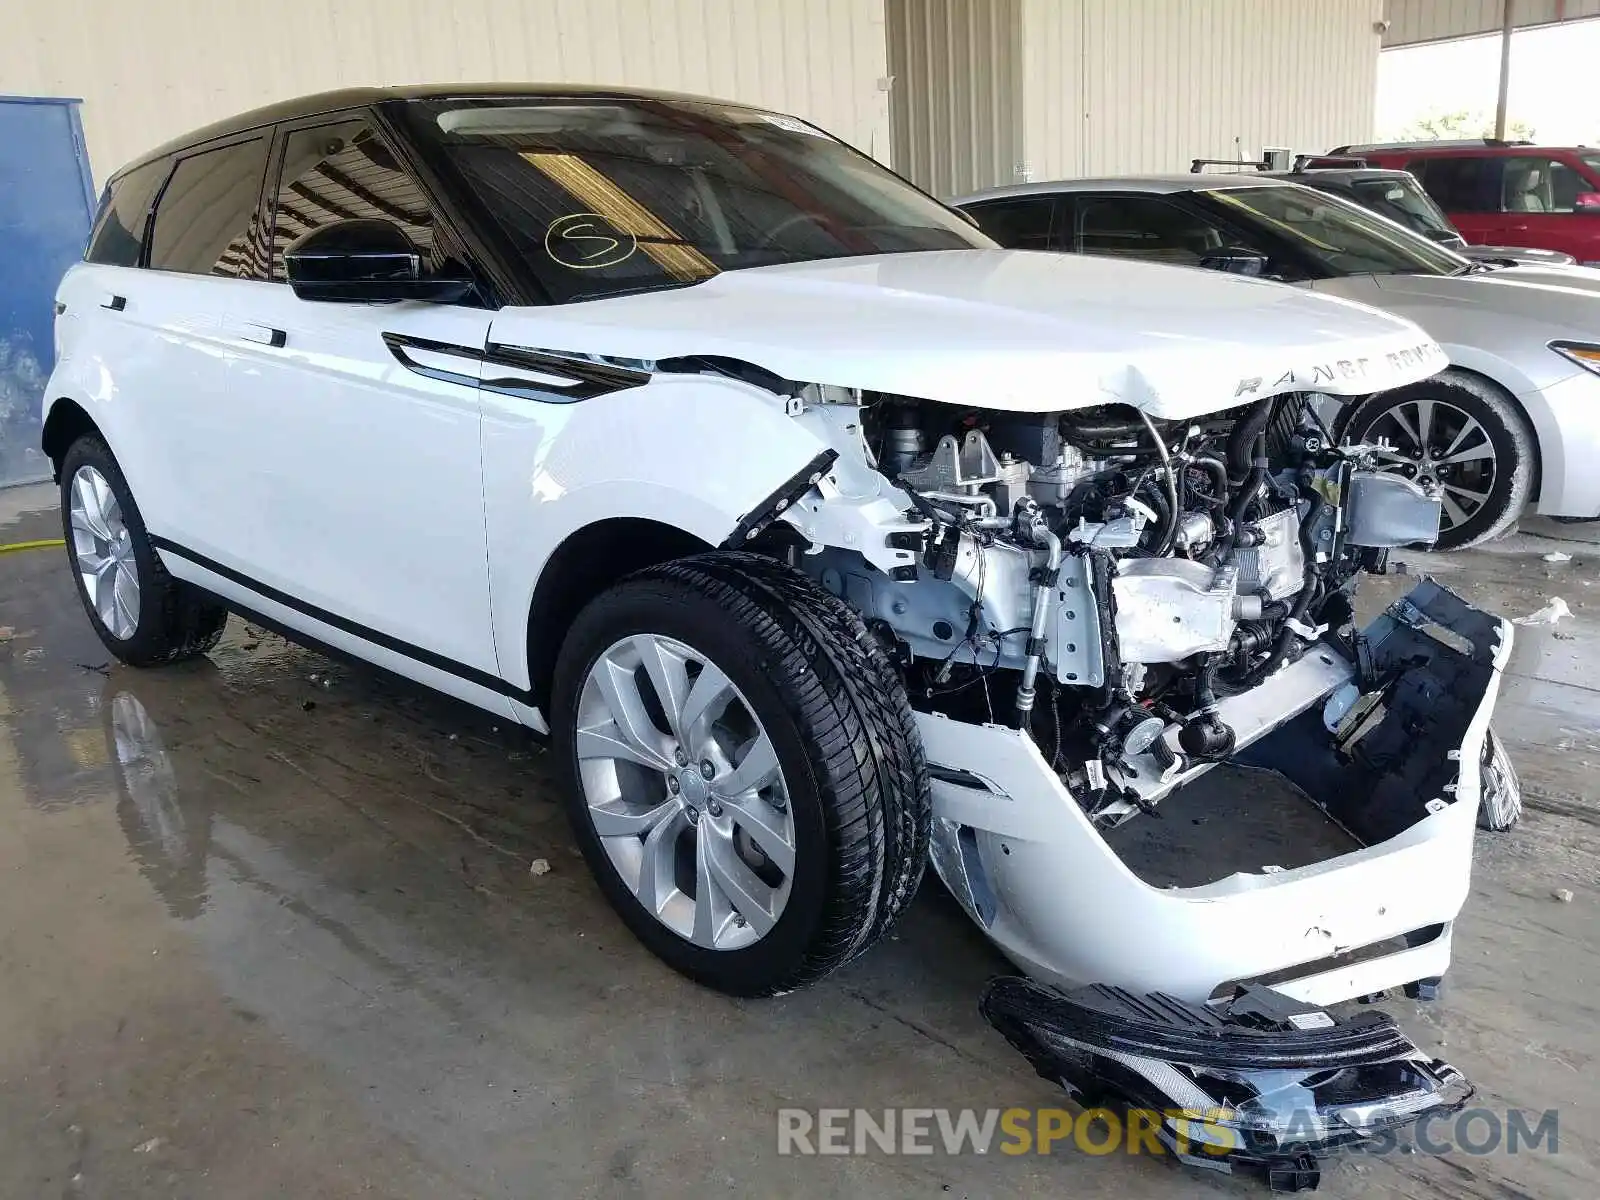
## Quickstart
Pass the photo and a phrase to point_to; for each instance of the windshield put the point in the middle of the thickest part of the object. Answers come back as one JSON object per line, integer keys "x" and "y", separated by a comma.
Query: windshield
{"x": 1340, "y": 237}
{"x": 1591, "y": 159}
{"x": 1403, "y": 200}
{"x": 603, "y": 197}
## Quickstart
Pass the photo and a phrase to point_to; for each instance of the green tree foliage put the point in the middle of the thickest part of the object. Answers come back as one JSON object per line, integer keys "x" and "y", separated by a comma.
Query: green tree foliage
{"x": 1461, "y": 123}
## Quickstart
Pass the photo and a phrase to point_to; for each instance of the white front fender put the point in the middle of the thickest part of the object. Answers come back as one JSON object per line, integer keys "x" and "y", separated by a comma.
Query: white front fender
{"x": 696, "y": 453}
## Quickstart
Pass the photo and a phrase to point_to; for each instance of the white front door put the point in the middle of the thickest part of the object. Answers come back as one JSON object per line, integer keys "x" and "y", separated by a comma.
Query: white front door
{"x": 354, "y": 484}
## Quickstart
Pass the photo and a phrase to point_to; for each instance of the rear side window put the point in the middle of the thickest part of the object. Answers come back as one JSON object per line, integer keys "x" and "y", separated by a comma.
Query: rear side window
{"x": 117, "y": 239}
{"x": 1461, "y": 184}
{"x": 1147, "y": 228}
{"x": 1020, "y": 224}
{"x": 206, "y": 220}
{"x": 1538, "y": 183}
{"x": 342, "y": 172}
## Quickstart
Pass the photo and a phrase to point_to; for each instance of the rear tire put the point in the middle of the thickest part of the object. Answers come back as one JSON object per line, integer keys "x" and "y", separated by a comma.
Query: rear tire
{"x": 1464, "y": 433}
{"x": 141, "y": 613}
{"x": 846, "y": 809}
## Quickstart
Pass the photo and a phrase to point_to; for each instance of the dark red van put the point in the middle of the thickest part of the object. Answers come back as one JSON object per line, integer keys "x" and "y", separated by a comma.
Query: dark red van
{"x": 1507, "y": 193}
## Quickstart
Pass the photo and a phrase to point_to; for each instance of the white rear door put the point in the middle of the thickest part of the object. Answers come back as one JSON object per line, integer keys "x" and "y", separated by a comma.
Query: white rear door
{"x": 159, "y": 330}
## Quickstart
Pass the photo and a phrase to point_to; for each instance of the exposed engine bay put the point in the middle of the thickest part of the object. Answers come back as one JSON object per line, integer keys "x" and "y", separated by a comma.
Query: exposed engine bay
{"x": 1101, "y": 579}
{"x": 1093, "y": 607}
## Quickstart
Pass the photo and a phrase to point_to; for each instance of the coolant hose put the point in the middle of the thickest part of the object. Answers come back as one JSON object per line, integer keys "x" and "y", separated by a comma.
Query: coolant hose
{"x": 1170, "y": 534}
{"x": 1241, "y": 501}
{"x": 1205, "y": 735}
{"x": 1219, "y": 477}
{"x": 1205, "y": 683}
{"x": 1243, "y": 437}
{"x": 1309, "y": 587}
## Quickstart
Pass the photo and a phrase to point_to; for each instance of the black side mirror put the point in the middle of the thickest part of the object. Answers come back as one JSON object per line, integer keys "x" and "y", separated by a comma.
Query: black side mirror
{"x": 1445, "y": 237}
{"x": 366, "y": 260}
{"x": 1235, "y": 260}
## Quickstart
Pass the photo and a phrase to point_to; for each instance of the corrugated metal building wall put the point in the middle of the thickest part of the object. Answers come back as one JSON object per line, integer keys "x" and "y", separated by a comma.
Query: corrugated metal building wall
{"x": 1158, "y": 83}
{"x": 956, "y": 106}
{"x": 1056, "y": 87}
{"x": 151, "y": 71}
{"x": 1415, "y": 21}
{"x": 1116, "y": 86}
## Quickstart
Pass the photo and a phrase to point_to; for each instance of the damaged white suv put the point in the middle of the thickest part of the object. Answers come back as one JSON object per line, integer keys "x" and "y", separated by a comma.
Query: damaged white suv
{"x": 813, "y": 528}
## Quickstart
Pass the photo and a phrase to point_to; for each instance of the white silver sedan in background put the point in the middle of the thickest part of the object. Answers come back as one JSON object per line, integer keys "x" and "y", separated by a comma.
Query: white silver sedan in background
{"x": 1516, "y": 417}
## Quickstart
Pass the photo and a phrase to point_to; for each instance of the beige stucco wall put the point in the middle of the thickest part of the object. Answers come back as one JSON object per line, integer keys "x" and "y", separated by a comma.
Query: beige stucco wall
{"x": 152, "y": 70}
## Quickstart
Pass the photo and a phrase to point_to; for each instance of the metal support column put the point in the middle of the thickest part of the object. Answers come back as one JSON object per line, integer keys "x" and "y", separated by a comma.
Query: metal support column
{"x": 1507, "y": 23}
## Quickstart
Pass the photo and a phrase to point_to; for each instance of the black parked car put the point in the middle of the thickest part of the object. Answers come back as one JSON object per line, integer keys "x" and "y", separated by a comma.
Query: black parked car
{"x": 1398, "y": 196}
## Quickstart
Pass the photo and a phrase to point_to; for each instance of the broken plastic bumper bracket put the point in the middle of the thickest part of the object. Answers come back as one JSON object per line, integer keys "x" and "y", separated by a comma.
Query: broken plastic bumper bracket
{"x": 752, "y": 524}
{"x": 1262, "y": 1084}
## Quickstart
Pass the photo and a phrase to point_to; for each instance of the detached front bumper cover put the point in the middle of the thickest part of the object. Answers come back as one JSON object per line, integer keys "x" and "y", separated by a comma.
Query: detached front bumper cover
{"x": 1263, "y": 1084}
{"x": 1402, "y": 771}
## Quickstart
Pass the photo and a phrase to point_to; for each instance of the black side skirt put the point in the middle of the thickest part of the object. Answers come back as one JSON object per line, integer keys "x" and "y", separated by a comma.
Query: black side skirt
{"x": 394, "y": 645}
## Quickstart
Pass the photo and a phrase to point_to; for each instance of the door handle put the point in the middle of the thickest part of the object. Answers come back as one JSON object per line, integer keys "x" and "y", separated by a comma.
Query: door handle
{"x": 264, "y": 335}
{"x": 114, "y": 302}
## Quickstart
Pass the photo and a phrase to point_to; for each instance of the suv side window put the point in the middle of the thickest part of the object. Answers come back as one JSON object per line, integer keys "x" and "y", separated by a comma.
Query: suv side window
{"x": 206, "y": 219}
{"x": 118, "y": 236}
{"x": 1148, "y": 228}
{"x": 1022, "y": 224}
{"x": 340, "y": 172}
{"x": 1461, "y": 184}
{"x": 1538, "y": 183}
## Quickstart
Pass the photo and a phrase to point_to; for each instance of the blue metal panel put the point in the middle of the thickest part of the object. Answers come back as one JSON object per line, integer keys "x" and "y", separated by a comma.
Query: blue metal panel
{"x": 46, "y": 203}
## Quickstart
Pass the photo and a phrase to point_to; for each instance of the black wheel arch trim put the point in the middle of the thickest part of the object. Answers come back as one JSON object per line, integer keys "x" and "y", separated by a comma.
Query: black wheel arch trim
{"x": 778, "y": 501}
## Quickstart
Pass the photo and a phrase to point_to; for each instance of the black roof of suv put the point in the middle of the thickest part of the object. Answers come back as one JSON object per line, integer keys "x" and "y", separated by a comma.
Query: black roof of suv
{"x": 334, "y": 101}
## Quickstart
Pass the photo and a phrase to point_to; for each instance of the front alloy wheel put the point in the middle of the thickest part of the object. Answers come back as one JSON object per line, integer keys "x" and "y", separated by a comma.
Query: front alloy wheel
{"x": 745, "y": 777}
{"x": 683, "y": 789}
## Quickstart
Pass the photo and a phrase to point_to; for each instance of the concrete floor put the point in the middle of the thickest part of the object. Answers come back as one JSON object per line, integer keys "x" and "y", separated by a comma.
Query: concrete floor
{"x": 291, "y": 946}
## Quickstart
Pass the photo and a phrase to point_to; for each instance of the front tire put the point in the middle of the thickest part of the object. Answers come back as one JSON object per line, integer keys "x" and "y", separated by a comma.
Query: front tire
{"x": 141, "y": 613}
{"x": 1464, "y": 434}
{"x": 744, "y": 773}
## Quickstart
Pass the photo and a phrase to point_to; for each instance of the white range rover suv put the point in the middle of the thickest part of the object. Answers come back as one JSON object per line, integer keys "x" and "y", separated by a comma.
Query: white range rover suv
{"x": 810, "y": 526}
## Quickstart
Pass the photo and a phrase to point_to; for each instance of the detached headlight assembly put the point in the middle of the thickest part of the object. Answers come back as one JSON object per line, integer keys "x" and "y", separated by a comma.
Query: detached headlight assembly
{"x": 1582, "y": 353}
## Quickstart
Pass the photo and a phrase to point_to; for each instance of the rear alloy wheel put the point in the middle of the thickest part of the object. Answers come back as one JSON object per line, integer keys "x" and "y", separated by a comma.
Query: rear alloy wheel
{"x": 1460, "y": 435}
{"x": 141, "y": 613}
{"x": 102, "y": 547}
{"x": 745, "y": 776}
